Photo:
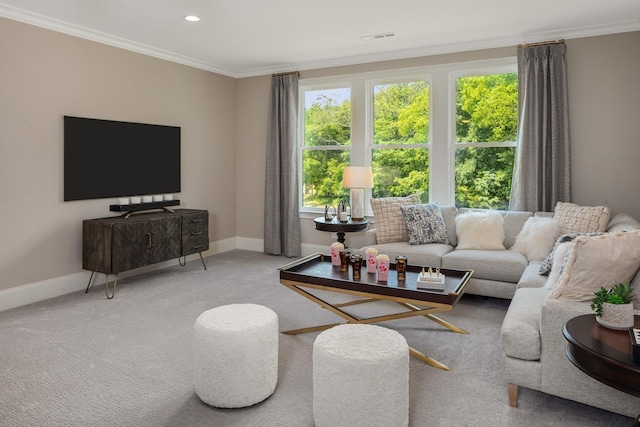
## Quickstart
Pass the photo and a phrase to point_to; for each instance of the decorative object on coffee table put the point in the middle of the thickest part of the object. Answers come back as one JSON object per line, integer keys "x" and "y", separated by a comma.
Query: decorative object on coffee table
{"x": 614, "y": 306}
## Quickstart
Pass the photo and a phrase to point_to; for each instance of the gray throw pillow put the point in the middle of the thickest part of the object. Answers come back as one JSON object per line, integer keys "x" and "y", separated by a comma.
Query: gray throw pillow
{"x": 425, "y": 224}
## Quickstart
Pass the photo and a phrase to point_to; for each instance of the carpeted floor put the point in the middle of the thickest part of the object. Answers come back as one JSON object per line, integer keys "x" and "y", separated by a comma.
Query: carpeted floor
{"x": 83, "y": 360}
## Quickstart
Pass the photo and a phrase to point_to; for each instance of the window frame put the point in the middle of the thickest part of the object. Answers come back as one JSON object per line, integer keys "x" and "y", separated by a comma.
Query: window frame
{"x": 441, "y": 79}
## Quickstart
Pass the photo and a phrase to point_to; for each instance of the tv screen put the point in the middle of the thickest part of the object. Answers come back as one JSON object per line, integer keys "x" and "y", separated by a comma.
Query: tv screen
{"x": 104, "y": 158}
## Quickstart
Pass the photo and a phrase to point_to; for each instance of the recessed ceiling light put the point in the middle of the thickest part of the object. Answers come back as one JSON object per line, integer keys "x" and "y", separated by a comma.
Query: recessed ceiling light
{"x": 192, "y": 18}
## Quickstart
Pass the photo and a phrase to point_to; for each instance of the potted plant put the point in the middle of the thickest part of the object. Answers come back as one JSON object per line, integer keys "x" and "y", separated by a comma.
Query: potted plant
{"x": 614, "y": 307}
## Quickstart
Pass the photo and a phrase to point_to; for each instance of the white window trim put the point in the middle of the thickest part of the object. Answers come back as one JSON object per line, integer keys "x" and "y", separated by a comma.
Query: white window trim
{"x": 442, "y": 101}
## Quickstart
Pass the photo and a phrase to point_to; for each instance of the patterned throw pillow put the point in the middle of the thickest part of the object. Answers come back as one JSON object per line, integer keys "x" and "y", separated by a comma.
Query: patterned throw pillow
{"x": 547, "y": 264}
{"x": 390, "y": 226}
{"x": 425, "y": 224}
{"x": 581, "y": 219}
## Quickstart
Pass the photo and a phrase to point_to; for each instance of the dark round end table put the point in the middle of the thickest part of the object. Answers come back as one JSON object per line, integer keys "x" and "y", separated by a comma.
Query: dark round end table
{"x": 340, "y": 227}
{"x": 604, "y": 354}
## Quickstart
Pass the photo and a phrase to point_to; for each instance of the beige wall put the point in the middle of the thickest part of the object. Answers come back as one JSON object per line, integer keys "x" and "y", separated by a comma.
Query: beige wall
{"x": 604, "y": 88}
{"x": 45, "y": 75}
{"x": 604, "y": 109}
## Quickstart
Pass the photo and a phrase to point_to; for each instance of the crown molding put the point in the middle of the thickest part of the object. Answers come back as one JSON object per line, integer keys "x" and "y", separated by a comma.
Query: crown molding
{"x": 89, "y": 34}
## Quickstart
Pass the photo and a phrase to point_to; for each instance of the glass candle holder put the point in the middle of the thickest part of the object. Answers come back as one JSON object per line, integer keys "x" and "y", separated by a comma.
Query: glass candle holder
{"x": 345, "y": 256}
{"x": 356, "y": 261}
{"x": 401, "y": 267}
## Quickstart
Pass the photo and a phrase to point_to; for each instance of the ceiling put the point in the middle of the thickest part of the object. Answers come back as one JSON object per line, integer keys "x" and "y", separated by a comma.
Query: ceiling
{"x": 242, "y": 38}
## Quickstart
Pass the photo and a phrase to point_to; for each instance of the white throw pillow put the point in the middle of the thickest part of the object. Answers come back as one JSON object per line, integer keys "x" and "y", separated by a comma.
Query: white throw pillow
{"x": 537, "y": 237}
{"x": 598, "y": 261}
{"x": 480, "y": 230}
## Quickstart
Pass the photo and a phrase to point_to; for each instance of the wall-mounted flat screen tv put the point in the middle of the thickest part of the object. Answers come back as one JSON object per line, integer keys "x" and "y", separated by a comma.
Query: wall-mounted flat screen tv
{"x": 104, "y": 158}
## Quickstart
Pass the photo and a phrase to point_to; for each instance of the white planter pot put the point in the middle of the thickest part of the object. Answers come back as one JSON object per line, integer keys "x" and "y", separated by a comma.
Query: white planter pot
{"x": 616, "y": 316}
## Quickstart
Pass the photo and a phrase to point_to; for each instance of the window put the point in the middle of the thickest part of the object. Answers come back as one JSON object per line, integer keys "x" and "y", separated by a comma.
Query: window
{"x": 486, "y": 125}
{"x": 326, "y": 147}
{"x": 446, "y": 133}
{"x": 400, "y": 151}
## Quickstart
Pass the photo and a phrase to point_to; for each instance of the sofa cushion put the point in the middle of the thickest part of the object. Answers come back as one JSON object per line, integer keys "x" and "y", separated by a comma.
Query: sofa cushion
{"x": 449, "y": 214}
{"x": 622, "y": 222}
{"x": 424, "y": 224}
{"x": 537, "y": 237}
{"x": 480, "y": 230}
{"x": 596, "y": 261}
{"x": 428, "y": 255}
{"x": 505, "y": 265}
{"x": 390, "y": 226}
{"x": 530, "y": 277}
{"x": 581, "y": 219}
{"x": 520, "y": 333}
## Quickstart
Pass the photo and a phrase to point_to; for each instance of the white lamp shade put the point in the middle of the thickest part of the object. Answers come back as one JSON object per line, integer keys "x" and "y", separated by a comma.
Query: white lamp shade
{"x": 357, "y": 177}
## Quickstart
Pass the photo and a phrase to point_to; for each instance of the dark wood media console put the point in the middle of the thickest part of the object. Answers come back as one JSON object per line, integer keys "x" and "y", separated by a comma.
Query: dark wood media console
{"x": 116, "y": 244}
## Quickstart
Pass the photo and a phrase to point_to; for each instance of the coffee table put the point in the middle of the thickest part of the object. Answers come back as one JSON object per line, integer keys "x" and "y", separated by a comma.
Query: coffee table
{"x": 316, "y": 272}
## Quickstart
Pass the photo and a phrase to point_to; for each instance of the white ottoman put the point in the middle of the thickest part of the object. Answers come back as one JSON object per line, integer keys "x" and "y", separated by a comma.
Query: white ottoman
{"x": 235, "y": 355}
{"x": 360, "y": 377}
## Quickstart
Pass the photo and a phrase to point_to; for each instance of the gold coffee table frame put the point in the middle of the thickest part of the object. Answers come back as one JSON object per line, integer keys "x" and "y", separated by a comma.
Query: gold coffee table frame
{"x": 316, "y": 272}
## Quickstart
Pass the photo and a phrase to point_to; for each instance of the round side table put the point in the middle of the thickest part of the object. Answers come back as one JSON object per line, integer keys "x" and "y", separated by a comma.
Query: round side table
{"x": 340, "y": 227}
{"x": 604, "y": 354}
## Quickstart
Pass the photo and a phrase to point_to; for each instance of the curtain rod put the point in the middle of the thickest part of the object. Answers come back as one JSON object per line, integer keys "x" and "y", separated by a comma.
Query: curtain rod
{"x": 541, "y": 43}
{"x": 286, "y": 74}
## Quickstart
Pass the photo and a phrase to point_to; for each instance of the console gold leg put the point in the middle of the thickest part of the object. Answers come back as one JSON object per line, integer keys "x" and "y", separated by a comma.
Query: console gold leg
{"x": 428, "y": 360}
{"x": 446, "y": 324}
{"x": 106, "y": 285}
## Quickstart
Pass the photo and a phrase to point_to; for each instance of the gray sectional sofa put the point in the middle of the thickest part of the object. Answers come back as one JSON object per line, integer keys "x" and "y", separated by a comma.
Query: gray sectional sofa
{"x": 532, "y": 340}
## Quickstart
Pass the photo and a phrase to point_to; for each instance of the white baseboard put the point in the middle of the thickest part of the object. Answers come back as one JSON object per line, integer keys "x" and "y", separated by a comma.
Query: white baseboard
{"x": 38, "y": 291}
{"x": 51, "y": 288}
{"x": 249, "y": 244}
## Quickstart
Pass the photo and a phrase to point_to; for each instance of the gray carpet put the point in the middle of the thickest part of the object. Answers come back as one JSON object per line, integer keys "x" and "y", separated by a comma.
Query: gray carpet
{"x": 82, "y": 360}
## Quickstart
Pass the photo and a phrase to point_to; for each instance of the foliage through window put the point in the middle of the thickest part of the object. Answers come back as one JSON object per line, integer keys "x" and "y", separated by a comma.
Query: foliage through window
{"x": 327, "y": 140}
{"x": 400, "y": 154}
{"x": 391, "y": 122}
{"x": 486, "y": 126}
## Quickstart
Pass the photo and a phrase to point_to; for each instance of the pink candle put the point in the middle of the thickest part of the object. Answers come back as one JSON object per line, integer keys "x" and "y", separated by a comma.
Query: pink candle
{"x": 372, "y": 263}
{"x": 383, "y": 268}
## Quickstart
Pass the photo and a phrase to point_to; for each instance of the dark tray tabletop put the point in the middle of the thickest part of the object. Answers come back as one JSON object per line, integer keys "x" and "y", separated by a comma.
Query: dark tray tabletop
{"x": 317, "y": 269}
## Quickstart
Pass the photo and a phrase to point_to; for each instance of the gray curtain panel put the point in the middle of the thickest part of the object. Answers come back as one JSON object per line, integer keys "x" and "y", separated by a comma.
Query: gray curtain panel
{"x": 542, "y": 175}
{"x": 281, "y": 220}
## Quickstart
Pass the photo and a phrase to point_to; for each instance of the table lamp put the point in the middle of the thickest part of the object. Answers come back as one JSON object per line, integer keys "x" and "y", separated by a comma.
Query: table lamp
{"x": 357, "y": 178}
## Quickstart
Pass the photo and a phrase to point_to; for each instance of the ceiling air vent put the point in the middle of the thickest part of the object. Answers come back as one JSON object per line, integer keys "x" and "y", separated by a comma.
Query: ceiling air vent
{"x": 378, "y": 36}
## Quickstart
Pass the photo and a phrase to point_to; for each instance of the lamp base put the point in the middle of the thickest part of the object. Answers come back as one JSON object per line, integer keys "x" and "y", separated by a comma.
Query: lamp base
{"x": 357, "y": 203}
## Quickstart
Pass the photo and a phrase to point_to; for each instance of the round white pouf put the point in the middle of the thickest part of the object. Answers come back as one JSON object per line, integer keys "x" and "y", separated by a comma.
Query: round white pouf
{"x": 360, "y": 377}
{"x": 235, "y": 355}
